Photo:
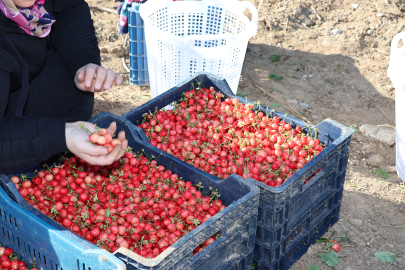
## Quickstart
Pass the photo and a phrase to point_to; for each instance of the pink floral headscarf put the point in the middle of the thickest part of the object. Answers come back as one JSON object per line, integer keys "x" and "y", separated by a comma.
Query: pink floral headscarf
{"x": 34, "y": 20}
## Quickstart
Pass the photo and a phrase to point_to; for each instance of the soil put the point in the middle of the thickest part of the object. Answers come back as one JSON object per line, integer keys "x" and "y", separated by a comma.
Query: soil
{"x": 342, "y": 77}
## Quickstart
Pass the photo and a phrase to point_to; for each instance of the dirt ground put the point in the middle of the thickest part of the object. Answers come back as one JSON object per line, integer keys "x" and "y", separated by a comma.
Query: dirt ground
{"x": 342, "y": 77}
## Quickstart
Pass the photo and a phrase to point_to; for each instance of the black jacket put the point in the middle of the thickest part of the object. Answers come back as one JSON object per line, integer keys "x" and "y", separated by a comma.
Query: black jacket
{"x": 24, "y": 140}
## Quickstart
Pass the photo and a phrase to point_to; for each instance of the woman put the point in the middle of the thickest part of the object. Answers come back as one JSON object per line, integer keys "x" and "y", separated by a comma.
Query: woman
{"x": 49, "y": 71}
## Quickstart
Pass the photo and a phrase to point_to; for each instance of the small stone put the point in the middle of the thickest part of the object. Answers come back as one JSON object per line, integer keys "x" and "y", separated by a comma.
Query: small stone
{"x": 377, "y": 25}
{"x": 355, "y": 6}
{"x": 280, "y": 10}
{"x": 304, "y": 105}
{"x": 383, "y": 134}
{"x": 104, "y": 50}
{"x": 380, "y": 15}
{"x": 312, "y": 35}
{"x": 370, "y": 32}
{"x": 296, "y": 68}
{"x": 315, "y": 117}
{"x": 254, "y": 47}
{"x": 294, "y": 101}
{"x": 356, "y": 222}
{"x": 325, "y": 42}
{"x": 368, "y": 243}
{"x": 120, "y": 52}
{"x": 311, "y": 251}
{"x": 336, "y": 32}
{"x": 375, "y": 160}
{"x": 391, "y": 245}
{"x": 383, "y": 38}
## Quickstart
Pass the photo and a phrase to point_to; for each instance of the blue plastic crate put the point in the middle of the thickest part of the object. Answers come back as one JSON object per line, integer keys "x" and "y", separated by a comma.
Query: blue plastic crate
{"x": 272, "y": 257}
{"x": 269, "y": 234}
{"x": 139, "y": 74}
{"x": 237, "y": 222}
{"x": 40, "y": 242}
{"x": 280, "y": 207}
{"x": 299, "y": 246}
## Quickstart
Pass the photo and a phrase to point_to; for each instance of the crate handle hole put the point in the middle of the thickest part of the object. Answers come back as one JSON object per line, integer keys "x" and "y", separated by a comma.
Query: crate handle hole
{"x": 206, "y": 243}
{"x": 312, "y": 175}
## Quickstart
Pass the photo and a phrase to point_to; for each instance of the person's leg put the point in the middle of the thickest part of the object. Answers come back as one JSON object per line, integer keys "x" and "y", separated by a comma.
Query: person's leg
{"x": 53, "y": 94}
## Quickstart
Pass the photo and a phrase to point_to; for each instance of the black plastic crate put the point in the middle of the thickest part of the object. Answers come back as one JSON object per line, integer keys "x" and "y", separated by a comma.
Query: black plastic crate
{"x": 299, "y": 246}
{"x": 270, "y": 256}
{"x": 280, "y": 207}
{"x": 237, "y": 222}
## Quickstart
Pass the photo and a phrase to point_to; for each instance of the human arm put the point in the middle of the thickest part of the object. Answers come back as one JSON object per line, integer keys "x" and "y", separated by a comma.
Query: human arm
{"x": 73, "y": 37}
{"x": 28, "y": 140}
{"x": 35, "y": 138}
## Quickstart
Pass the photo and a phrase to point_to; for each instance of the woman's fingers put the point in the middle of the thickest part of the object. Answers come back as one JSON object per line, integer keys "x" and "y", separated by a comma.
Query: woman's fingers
{"x": 96, "y": 78}
{"x": 90, "y": 71}
{"x": 124, "y": 145}
{"x": 118, "y": 79}
{"x": 103, "y": 160}
{"x": 109, "y": 80}
{"x": 112, "y": 128}
{"x": 81, "y": 76}
{"x": 101, "y": 74}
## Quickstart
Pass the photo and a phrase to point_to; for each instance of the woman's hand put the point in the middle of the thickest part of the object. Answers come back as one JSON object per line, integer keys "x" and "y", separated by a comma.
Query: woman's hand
{"x": 94, "y": 78}
{"x": 77, "y": 141}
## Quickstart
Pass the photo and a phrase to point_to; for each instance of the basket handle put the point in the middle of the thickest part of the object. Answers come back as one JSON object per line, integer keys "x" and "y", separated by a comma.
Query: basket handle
{"x": 394, "y": 42}
{"x": 253, "y": 24}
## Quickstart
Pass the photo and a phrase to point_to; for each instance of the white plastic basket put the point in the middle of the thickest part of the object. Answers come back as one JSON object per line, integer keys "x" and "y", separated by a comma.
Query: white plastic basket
{"x": 183, "y": 38}
{"x": 396, "y": 74}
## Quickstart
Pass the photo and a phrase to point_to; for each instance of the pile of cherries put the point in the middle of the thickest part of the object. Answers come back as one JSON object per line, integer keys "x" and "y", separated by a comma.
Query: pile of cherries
{"x": 223, "y": 136}
{"x": 133, "y": 203}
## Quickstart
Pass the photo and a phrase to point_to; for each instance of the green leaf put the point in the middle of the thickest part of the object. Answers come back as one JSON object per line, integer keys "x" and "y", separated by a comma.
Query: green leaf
{"x": 276, "y": 77}
{"x": 321, "y": 240}
{"x": 314, "y": 267}
{"x": 145, "y": 97}
{"x": 331, "y": 258}
{"x": 107, "y": 212}
{"x": 328, "y": 246}
{"x": 274, "y": 89}
{"x": 275, "y": 58}
{"x": 381, "y": 173}
{"x": 253, "y": 267}
{"x": 353, "y": 185}
{"x": 274, "y": 105}
{"x": 384, "y": 256}
{"x": 242, "y": 94}
{"x": 354, "y": 128}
